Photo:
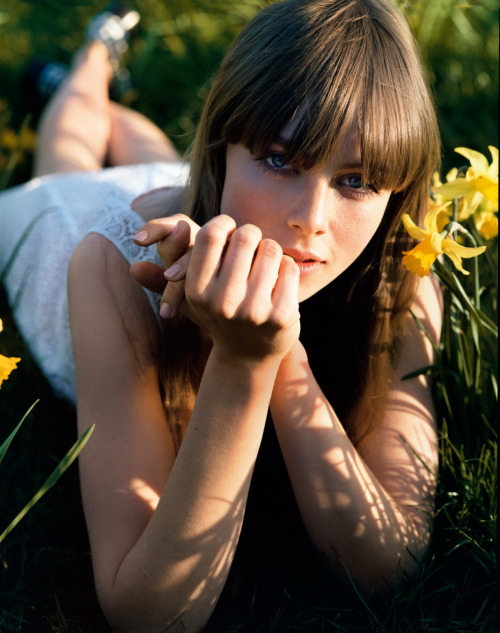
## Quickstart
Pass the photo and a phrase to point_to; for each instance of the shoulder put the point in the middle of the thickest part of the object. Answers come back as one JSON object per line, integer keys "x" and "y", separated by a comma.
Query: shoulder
{"x": 101, "y": 288}
{"x": 427, "y": 306}
{"x": 158, "y": 203}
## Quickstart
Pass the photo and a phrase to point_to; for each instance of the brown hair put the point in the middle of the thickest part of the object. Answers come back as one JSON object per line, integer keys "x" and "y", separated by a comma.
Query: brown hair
{"x": 333, "y": 64}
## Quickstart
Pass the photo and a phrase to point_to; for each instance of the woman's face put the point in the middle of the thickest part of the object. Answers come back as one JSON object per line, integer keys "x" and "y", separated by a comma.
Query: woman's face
{"x": 323, "y": 218}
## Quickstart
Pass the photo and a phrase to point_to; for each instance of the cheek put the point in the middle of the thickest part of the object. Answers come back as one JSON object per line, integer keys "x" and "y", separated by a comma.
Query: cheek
{"x": 353, "y": 233}
{"x": 240, "y": 199}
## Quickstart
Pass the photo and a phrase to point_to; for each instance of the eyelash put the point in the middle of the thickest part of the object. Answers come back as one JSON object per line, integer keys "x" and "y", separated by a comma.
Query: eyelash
{"x": 267, "y": 168}
{"x": 288, "y": 172}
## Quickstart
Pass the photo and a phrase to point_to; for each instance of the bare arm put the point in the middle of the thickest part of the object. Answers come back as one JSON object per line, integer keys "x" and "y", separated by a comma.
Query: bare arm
{"x": 163, "y": 529}
{"x": 366, "y": 508}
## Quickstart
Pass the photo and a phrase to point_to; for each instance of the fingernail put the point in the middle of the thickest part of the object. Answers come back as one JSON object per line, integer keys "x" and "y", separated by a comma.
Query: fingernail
{"x": 165, "y": 311}
{"x": 172, "y": 271}
{"x": 141, "y": 236}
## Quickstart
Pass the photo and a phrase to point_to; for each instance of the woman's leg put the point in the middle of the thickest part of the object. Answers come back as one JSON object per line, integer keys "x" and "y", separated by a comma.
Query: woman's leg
{"x": 135, "y": 139}
{"x": 81, "y": 128}
{"x": 75, "y": 128}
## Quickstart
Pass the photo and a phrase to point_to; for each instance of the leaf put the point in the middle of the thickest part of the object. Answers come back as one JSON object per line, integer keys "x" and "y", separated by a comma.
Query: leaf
{"x": 4, "y": 447}
{"x": 63, "y": 465}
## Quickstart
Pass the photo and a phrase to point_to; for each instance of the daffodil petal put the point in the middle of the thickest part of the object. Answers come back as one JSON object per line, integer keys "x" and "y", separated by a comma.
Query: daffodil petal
{"x": 7, "y": 365}
{"x": 420, "y": 259}
{"x": 436, "y": 242}
{"x": 457, "y": 261}
{"x": 487, "y": 224}
{"x": 456, "y": 188}
{"x": 415, "y": 231}
{"x": 488, "y": 187}
{"x": 493, "y": 168}
{"x": 469, "y": 204}
{"x": 478, "y": 161}
{"x": 430, "y": 219}
{"x": 452, "y": 175}
{"x": 449, "y": 246}
{"x": 442, "y": 219}
{"x": 436, "y": 180}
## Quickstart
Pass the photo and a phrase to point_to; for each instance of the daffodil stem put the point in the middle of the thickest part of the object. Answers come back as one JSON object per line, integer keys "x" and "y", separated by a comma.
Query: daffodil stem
{"x": 475, "y": 273}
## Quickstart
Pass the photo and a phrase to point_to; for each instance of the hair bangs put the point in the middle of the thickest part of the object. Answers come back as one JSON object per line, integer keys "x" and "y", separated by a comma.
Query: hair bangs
{"x": 303, "y": 80}
{"x": 331, "y": 69}
{"x": 396, "y": 122}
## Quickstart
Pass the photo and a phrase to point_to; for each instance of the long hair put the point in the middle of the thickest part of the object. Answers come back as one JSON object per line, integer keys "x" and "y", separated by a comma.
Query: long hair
{"x": 333, "y": 64}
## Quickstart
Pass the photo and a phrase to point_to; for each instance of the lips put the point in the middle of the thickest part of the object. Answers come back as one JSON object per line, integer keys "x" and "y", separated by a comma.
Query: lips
{"x": 308, "y": 262}
{"x": 302, "y": 257}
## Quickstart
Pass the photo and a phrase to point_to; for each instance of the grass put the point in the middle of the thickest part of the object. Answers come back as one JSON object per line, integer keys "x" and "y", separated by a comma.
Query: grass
{"x": 45, "y": 570}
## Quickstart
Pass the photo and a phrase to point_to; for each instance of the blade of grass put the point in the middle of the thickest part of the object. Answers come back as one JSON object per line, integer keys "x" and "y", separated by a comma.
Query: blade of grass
{"x": 63, "y": 465}
{"x": 4, "y": 447}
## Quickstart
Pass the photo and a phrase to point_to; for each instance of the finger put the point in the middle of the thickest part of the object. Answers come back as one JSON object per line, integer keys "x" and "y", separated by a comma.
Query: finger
{"x": 149, "y": 275}
{"x": 179, "y": 268}
{"x": 176, "y": 244}
{"x": 206, "y": 256}
{"x": 237, "y": 262}
{"x": 172, "y": 299}
{"x": 265, "y": 269}
{"x": 286, "y": 290}
{"x": 156, "y": 230}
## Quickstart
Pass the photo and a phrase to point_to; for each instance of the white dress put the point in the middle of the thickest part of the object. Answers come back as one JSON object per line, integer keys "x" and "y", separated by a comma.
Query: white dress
{"x": 41, "y": 223}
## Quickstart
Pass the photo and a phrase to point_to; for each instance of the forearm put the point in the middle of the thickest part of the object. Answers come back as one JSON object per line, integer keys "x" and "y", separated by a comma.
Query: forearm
{"x": 179, "y": 565}
{"x": 350, "y": 516}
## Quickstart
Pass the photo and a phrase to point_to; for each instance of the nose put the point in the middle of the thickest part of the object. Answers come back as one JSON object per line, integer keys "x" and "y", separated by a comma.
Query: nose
{"x": 309, "y": 212}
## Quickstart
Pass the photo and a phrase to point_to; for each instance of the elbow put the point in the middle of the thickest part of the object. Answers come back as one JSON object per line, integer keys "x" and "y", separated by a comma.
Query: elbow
{"x": 375, "y": 568}
{"x": 131, "y": 612}
{"x": 130, "y": 606}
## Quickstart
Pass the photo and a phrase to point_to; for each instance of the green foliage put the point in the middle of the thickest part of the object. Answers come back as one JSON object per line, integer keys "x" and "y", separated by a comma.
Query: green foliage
{"x": 459, "y": 45}
{"x": 60, "y": 469}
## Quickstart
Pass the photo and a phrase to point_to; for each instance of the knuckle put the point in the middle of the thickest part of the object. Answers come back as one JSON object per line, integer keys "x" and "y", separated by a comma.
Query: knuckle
{"x": 175, "y": 289}
{"x": 247, "y": 235}
{"x": 270, "y": 248}
{"x": 224, "y": 220}
{"x": 211, "y": 233}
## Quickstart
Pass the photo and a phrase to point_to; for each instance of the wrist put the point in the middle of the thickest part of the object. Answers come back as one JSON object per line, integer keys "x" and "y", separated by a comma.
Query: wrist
{"x": 295, "y": 358}
{"x": 230, "y": 362}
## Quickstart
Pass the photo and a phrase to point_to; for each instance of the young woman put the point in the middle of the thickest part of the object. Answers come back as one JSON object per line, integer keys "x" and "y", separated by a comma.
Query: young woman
{"x": 271, "y": 395}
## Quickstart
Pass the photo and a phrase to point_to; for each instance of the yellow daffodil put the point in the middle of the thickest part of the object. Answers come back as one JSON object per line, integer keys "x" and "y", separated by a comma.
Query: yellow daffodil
{"x": 486, "y": 222}
{"x": 6, "y": 366}
{"x": 480, "y": 182}
{"x": 420, "y": 259}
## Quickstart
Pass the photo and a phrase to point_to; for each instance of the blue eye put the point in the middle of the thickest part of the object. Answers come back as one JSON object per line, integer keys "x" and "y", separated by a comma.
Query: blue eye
{"x": 275, "y": 164}
{"x": 276, "y": 160}
{"x": 354, "y": 181}
{"x": 354, "y": 184}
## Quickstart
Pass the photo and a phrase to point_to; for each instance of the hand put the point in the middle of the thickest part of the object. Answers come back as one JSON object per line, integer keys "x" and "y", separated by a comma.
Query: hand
{"x": 174, "y": 237}
{"x": 243, "y": 290}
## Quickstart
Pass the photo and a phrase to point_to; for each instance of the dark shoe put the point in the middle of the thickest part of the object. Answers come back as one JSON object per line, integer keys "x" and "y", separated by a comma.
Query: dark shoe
{"x": 42, "y": 78}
